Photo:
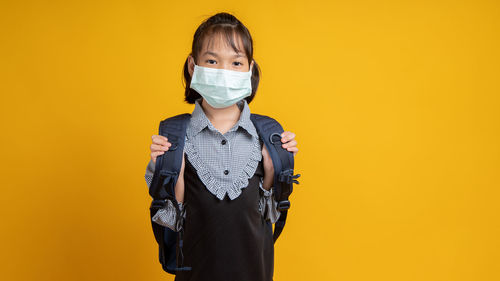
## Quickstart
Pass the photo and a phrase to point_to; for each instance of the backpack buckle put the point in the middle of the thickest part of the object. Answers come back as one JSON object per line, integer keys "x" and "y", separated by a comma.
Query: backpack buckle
{"x": 158, "y": 204}
{"x": 283, "y": 205}
{"x": 287, "y": 176}
{"x": 173, "y": 147}
{"x": 167, "y": 176}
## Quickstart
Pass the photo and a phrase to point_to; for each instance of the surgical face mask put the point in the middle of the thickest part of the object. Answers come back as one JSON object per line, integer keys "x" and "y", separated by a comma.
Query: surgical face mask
{"x": 221, "y": 87}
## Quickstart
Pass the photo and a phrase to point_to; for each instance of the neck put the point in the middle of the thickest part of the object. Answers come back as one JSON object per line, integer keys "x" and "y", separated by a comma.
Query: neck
{"x": 215, "y": 115}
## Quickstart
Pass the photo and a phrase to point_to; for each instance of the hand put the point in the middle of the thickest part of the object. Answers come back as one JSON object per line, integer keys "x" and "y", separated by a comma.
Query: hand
{"x": 289, "y": 142}
{"x": 288, "y": 139}
{"x": 159, "y": 146}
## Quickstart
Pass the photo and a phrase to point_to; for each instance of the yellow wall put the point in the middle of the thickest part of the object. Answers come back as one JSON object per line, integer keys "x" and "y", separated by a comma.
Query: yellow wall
{"x": 395, "y": 106}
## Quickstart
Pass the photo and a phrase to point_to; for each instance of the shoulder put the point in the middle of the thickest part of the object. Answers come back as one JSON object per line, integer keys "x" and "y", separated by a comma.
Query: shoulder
{"x": 178, "y": 117}
{"x": 265, "y": 124}
{"x": 262, "y": 118}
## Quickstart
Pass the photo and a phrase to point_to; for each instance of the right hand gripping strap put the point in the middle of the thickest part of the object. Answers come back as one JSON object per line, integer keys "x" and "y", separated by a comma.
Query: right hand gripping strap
{"x": 162, "y": 188}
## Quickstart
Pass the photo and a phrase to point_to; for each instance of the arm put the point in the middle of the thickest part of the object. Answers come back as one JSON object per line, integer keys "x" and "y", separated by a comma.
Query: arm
{"x": 267, "y": 204}
{"x": 150, "y": 169}
{"x": 267, "y": 200}
{"x": 290, "y": 144}
{"x": 159, "y": 146}
{"x": 166, "y": 216}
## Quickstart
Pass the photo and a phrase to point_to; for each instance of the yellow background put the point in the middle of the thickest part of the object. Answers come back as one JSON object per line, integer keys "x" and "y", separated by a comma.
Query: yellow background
{"x": 395, "y": 107}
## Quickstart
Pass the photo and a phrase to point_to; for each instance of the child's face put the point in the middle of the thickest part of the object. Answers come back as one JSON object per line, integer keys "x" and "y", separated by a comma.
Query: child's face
{"x": 221, "y": 55}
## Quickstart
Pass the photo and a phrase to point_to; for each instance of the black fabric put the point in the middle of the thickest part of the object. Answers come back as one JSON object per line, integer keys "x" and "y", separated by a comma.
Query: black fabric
{"x": 225, "y": 240}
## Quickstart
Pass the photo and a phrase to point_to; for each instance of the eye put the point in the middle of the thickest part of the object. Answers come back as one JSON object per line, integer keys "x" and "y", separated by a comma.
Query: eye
{"x": 208, "y": 61}
{"x": 237, "y": 63}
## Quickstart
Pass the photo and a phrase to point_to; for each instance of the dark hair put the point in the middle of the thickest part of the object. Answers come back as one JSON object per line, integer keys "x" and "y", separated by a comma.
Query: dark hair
{"x": 226, "y": 25}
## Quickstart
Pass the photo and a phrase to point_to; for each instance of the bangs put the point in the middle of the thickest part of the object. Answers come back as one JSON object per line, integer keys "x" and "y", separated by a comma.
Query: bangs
{"x": 231, "y": 35}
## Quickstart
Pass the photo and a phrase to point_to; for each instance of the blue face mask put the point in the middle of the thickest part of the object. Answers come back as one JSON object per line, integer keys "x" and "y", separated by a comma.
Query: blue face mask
{"x": 221, "y": 87}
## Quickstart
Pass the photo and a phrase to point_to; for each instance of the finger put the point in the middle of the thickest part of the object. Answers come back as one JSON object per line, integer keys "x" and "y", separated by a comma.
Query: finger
{"x": 291, "y": 143}
{"x": 156, "y": 147}
{"x": 293, "y": 149}
{"x": 283, "y": 136}
{"x": 287, "y": 136}
{"x": 159, "y": 139}
{"x": 160, "y": 146}
{"x": 159, "y": 136}
{"x": 154, "y": 155}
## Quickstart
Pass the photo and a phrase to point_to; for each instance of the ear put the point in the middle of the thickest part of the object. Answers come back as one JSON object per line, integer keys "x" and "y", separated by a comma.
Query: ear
{"x": 190, "y": 65}
{"x": 251, "y": 66}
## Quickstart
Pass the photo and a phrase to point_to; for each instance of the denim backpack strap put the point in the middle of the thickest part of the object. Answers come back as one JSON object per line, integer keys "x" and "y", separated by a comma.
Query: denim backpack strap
{"x": 270, "y": 131}
{"x": 162, "y": 188}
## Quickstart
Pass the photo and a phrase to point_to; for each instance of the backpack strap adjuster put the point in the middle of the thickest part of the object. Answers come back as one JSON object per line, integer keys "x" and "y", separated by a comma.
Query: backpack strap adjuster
{"x": 168, "y": 176}
{"x": 287, "y": 176}
{"x": 283, "y": 205}
{"x": 173, "y": 146}
{"x": 158, "y": 204}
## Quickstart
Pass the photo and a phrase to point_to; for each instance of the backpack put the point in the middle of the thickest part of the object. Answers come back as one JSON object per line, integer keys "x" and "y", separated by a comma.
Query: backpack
{"x": 167, "y": 168}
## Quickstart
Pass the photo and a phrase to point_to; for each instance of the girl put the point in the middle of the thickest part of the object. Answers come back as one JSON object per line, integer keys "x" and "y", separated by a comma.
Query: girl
{"x": 224, "y": 186}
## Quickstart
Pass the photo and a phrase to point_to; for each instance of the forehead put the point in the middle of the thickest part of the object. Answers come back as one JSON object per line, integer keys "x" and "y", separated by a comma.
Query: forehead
{"x": 219, "y": 44}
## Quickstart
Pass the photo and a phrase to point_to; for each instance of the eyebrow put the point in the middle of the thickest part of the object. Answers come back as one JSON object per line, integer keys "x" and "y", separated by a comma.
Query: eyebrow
{"x": 215, "y": 55}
